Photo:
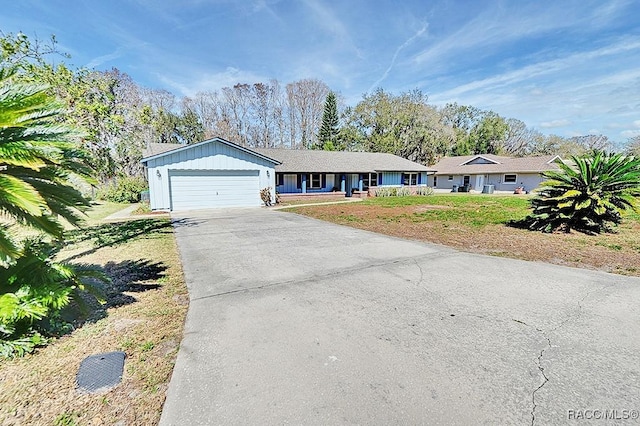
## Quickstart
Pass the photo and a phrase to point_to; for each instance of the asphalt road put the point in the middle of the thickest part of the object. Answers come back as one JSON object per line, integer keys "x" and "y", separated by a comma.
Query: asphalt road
{"x": 298, "y": 321}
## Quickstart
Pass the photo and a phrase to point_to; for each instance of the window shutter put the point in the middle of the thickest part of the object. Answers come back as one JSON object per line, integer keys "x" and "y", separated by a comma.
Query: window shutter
{"x": 324, "y": 180}
{"x": 299, "y": 181}
{"x": 379, "y": 178}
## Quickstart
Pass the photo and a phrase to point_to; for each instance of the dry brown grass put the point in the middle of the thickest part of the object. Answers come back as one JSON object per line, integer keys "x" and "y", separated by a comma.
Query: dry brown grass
{"x": 477, "y": 224}
{"x": 144, "y": 317}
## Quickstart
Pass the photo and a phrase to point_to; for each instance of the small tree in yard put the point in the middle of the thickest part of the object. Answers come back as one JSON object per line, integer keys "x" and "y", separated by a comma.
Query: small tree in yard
{"x": 587, "y": 196}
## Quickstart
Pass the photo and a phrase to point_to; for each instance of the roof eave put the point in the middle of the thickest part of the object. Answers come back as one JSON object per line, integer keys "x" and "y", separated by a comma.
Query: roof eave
{"x": 220, "y": 140}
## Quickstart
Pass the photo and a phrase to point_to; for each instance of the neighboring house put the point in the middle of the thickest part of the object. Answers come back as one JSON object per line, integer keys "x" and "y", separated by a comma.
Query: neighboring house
{"x": 504, "y": 173}
{"x": 314, "y": 171}
{"x": 209, "y": 174}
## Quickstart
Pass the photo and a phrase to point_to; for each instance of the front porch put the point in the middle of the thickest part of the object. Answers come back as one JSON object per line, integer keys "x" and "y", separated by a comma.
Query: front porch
{"x": 324, "y": 184}
{"x": 344, "y": 184}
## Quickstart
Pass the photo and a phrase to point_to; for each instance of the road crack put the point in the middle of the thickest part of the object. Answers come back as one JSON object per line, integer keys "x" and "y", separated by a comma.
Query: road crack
{"x": 544, "y": 376}
{"x": 545, "y": 335}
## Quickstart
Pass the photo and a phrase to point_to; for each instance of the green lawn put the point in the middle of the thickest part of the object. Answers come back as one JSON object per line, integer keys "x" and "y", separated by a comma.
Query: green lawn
{"x": 143, "y": 316}
{"x": 474, "y": 210}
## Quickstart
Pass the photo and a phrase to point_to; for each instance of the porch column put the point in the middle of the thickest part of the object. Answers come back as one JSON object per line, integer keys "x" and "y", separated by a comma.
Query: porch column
{"x": 304, "y": 183}
{"x": 360, "y": 182}
{"x": 343, "y": 183}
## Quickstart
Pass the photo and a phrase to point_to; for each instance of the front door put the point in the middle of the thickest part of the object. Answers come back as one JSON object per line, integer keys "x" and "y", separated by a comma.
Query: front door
{"x": 479, "y": 182}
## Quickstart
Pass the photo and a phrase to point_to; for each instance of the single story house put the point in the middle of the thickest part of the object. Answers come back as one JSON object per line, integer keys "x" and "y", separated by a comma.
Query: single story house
{"x": 314, "y": 171}
{"x": 504, "y": 173}
{"x": 209, "y": 174}
{"x": 219, "y": 173}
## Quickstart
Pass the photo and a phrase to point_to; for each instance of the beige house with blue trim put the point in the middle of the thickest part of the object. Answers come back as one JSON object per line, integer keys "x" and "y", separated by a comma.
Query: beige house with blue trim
{"x": 504, "y": 173}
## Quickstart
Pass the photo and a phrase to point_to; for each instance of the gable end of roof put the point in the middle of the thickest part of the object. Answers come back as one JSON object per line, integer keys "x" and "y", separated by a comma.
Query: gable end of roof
{"x": 218, "y": 140}
{"x": 480, "y": 156}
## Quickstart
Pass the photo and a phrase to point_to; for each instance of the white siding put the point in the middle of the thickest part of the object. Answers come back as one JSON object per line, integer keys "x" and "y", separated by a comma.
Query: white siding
{"x": 530, "y": 181}
{"x": 202, "y": 189}
{"x": 212, "y": 155}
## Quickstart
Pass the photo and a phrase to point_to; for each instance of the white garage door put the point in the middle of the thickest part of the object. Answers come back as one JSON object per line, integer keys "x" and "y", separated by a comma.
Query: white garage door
{"x": 204, "y": 189}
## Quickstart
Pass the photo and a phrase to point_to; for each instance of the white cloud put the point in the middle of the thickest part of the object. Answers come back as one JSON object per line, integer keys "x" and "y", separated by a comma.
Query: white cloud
{"x": 407, "y": 42}
{"x": 330, "y": 23}
{"x": 504, "y": 23}
{"x": 189, "y": 85}
{"x": 528, "y": 73}
{"x": 555, "y": 123}
{"x": 99, "y": 60}
{"x": 630, "y": 133}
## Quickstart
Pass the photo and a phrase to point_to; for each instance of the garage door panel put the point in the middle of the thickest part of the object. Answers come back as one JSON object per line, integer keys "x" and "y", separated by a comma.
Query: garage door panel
{"x": 199, "y": 189}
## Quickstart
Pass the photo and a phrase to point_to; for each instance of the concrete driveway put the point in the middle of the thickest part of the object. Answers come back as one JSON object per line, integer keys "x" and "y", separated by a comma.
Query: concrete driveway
{"x": 298, "y": 321}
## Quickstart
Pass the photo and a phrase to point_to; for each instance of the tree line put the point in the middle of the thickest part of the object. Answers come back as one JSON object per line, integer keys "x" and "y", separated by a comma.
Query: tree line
{"x": 119, "y": 118}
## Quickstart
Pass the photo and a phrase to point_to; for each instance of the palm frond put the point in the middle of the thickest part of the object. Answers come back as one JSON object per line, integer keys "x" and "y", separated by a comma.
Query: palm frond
{"x": 588, "y": 195}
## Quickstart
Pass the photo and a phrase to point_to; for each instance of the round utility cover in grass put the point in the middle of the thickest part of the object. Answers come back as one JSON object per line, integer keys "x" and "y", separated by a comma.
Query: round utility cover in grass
{"x": 99, "y": 373}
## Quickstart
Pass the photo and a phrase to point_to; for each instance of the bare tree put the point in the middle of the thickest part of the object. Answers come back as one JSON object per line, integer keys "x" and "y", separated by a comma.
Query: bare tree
{"x": 236, "y": 102}
{"x": 279, "y": 114}
{"x": 306, "y": 102}
{"x": 633, "y": 146}
{"x": 593, "y": 142}
{"x": 261, "y": 130}
{"x": 520, "y": 139}
{"x": 206, "y": 106}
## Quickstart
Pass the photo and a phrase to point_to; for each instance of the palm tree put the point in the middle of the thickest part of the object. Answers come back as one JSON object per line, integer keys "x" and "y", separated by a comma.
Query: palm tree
{"x": 587, "y": 196}
{"x": 37, "y": 161}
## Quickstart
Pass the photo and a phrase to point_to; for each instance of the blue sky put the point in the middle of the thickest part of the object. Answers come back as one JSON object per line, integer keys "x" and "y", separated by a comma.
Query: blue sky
{"x": 568, "y": 67}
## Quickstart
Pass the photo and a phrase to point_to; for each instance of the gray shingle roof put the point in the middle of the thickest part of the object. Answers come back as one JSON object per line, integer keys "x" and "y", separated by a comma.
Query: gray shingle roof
{"x": 159, "y": 148}
{"x": 456, "y": 166}
{"x": 315, "y": 161}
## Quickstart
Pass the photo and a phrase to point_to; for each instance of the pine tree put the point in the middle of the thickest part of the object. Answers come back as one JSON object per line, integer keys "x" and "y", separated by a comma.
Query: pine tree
{"x": 327, "y": 138}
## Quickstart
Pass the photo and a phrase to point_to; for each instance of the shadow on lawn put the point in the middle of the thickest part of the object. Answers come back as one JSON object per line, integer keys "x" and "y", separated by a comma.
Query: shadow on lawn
{"x": 129, "y": 276}
{"x": 132, "y": 276}
{"x": 113, "y": 234}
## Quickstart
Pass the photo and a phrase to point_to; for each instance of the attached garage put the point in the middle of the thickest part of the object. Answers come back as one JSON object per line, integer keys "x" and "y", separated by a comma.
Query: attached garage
{"x": 196, "y": 189}
{"x": 211, "y": 174}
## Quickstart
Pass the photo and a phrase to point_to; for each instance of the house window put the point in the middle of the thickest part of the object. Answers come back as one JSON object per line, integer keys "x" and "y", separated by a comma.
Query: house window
{"x": 465, "y": 180}
{"x": 279, "y": 179}
{"x": 369, "y": 179}
{"x": 510, "y": 178}
{"x": 315, "y": 181}
{"x": 435, "y": 181}
{"x": 450, "y": 177}
{"x": 410, "y": 179}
